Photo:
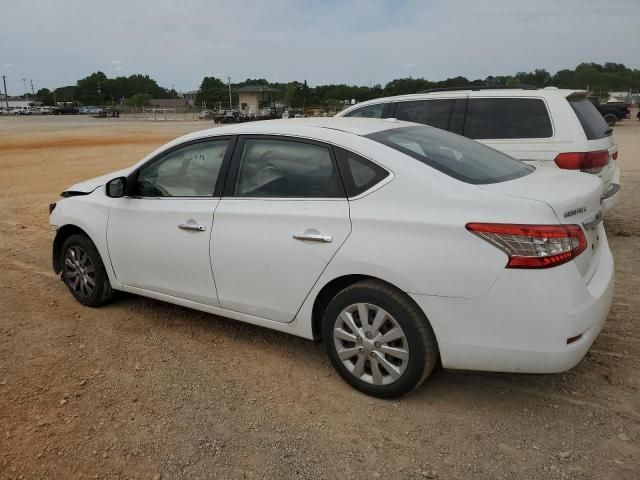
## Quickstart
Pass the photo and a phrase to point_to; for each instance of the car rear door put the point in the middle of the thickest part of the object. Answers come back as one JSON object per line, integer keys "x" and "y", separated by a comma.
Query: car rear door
{"x": 282, "y": 218}
{"x": 159, "y": 235}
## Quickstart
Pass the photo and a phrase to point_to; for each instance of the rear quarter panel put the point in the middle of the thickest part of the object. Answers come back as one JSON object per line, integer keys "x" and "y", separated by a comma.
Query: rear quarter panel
{"x": 411, "y": 232}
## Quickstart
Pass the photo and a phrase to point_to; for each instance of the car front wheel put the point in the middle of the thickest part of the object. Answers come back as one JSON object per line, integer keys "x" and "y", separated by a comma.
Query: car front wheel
{"x": 83, "y": 271}
{"x": 378, "y": 340}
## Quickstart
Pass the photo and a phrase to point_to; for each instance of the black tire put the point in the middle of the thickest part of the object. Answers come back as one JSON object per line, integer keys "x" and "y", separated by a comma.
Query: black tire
{"x": 101, "y": 292}
{"x": 611, "y": 119}
{"x": 419, "y": 337}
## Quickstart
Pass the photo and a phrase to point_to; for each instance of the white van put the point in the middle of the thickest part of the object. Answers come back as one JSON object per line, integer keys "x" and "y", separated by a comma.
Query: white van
{"x": 22, "y": 110}
{"x": 543, "y": 127}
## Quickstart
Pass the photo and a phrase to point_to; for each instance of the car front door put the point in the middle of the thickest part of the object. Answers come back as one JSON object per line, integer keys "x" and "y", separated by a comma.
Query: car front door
{"x": 283, "y": 217}
{"x": 159, "y": 234}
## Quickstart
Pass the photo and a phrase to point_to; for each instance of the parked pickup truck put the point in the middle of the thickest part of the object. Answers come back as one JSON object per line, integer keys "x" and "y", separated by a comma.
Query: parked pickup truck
{"x": 65, "y": 110}
{"x": 611, "y": 111}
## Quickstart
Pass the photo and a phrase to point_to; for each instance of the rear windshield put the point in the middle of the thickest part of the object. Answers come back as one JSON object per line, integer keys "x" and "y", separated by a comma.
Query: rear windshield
{"x": 590, "y": 118}
{"x": 454, "y": 155}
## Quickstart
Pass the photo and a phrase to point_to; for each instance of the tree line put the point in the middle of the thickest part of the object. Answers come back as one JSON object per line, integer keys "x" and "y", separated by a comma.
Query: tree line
{"x": 97, "y": 89}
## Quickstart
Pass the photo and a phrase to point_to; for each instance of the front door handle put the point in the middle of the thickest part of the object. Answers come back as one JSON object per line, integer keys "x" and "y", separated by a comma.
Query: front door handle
{"x": 192, "y": 227}
{"x": 313, "y": 237}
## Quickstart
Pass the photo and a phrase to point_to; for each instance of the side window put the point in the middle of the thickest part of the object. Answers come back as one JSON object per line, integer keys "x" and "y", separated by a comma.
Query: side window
{"x": 358, "y": 173}
{"x": 370, "y": 111}
{"x": 428, "y": 112}
{"x": 285, "y": 168}
{"x": 189, "y": 171}
{"x": 507, "y": 118}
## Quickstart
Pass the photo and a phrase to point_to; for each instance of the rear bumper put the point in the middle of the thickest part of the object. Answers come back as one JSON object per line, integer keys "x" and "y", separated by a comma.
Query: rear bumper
{"x": 523, "y": 323}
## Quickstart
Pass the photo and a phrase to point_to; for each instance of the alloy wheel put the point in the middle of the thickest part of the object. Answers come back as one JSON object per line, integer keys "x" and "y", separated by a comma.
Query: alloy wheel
{"x": 79, "y": 272}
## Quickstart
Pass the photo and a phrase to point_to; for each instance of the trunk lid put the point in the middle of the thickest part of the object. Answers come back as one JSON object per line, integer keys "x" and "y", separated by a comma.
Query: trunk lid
{"x": 574, "y": 197}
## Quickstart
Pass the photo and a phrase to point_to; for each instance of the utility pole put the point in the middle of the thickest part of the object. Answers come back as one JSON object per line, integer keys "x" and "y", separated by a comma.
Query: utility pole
{"x": 32, "y": 91}
{"x": 26, "y": 92}
{"x": 6, "y": 99}
{"x": 230, "y": 104}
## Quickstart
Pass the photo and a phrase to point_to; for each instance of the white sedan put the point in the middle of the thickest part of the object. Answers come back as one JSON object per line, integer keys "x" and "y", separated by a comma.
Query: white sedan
{"x": 399, "y": 245}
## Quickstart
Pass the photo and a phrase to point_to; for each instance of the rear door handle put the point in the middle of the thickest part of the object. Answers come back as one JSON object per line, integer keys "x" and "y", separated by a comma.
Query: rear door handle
{"x": 192, "y": 227}
{"x": 313, "y": 237}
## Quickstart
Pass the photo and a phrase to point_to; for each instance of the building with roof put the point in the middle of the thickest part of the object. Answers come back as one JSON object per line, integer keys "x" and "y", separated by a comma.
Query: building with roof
{"x": 189, "y": 96}
{"x": 253, "y": 99}
{"x": 168, "y": 102}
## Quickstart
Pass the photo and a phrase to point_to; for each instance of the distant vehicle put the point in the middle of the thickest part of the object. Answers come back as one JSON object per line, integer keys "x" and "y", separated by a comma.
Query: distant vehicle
{"x": 401, "y": 246}
{"x": 90, "y": 110}
{"x": 107, "y": 112}
{"x": 6, "y": 111}
{"x": 22, "y": 110}
{"x": 47, "y": 110}
{"x": 205, "y": 114}
{"x": 544, "y": 127}
{"x": 612, "y": 111}
{"x": 230, "y": 116}
{"x": 65, "y": 110}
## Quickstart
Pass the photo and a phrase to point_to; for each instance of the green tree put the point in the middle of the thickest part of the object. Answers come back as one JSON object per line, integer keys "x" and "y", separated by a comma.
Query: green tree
{"x": 66, "y": 94}
{"x": 45, "y": 96}
{"x": 212, "y": 91}
{"x": 139, "y": 100}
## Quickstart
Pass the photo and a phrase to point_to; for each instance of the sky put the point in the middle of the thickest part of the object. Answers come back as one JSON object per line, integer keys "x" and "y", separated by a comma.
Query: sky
{"x": 362, "y": 42}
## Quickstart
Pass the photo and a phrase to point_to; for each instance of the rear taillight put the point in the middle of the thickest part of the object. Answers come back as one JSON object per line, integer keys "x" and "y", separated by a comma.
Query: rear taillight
{"x": 533, "y": 246}
{"x": 583, "y": 160}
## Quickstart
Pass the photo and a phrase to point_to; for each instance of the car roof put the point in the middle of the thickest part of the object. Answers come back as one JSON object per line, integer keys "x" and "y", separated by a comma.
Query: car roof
{"x": 471, "y": 92}
{"x": 304, "y": 127}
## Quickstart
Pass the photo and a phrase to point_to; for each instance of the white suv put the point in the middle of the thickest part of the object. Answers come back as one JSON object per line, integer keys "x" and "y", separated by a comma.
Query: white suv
{"x": 543, "y": 127}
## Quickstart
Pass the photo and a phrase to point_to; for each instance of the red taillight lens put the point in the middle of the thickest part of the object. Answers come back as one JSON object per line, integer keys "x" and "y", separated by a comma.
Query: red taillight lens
{"x": 533, "y": 246}
{"x": 582, "y": 160}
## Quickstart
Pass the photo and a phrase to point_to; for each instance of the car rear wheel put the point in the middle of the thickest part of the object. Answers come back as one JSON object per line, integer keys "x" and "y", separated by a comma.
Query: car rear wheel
{"x": 611, "y": 119}
{"x": 83, "y": 271}
{"x": 378, "y": 340}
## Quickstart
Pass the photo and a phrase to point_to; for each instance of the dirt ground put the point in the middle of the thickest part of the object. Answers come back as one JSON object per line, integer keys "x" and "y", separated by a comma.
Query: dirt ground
{"x": 143, "y": 389}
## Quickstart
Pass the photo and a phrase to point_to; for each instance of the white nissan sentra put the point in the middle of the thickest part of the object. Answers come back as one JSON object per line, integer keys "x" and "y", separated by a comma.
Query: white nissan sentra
{"x": 397, "y": 244}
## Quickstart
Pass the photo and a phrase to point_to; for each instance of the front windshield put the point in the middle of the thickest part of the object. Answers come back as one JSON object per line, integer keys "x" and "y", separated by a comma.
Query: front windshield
{"x": 454, "y": 155}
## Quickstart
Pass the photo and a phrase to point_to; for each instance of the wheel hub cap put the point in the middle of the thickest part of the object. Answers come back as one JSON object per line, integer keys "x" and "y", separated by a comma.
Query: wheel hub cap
{"x": 371, "y": 344}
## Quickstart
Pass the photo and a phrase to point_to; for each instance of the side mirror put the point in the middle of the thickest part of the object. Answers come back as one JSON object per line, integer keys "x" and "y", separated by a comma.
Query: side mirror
{"x": 115, "y": 188}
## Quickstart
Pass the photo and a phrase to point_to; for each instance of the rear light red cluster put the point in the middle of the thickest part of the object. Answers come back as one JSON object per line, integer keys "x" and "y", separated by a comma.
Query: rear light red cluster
{"x": 583, "y": 160}
{"x": 533, "y": 246}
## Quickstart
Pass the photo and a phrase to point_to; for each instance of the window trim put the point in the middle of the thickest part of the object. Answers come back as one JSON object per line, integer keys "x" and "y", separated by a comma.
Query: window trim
{"x": 508, "y": 140}
{"x": 132, "y": 178}
{"x": 228, "y": 192}
{"x": 383, "y": 181}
